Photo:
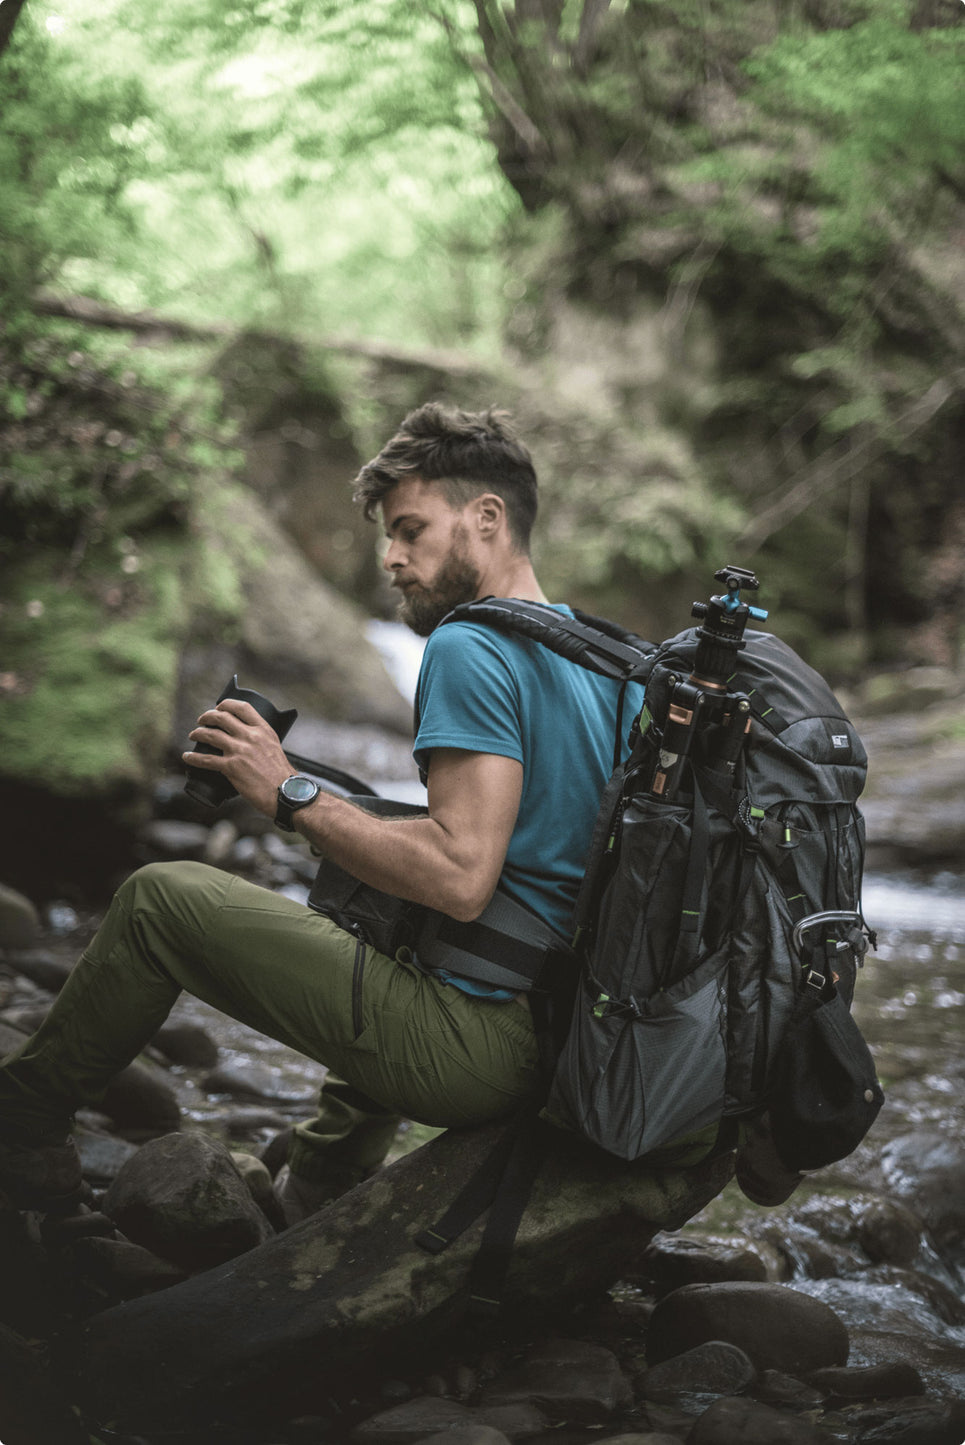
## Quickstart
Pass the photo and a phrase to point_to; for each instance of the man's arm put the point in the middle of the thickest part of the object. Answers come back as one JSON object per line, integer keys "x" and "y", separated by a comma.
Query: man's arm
{"x": 450, "y": 860}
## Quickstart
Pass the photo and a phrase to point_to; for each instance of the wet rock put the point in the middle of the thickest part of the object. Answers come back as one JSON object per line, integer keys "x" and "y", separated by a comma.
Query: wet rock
{"x": 569, "y": 1379}
{"x": 315, "y": 1300}
{"x": 122, "y": 1270}
{"x": 222, "y": 836}
{"x": 516, "y": 1422}
{"x": 868, "y": 1382}
{"x": 102, "y": 1156}
{"x": 714, "y": 1368}
{"x": 42, "y": 968}
{"x": 250, "y": 1081}
{"x": 187, "y": 1044}
{"x": 807, "y": 1253}
{"x": 416, "y": 1419}
{"x": 887, "y": 1231}
{"x": 749, "y": 1422}
{"x": 259, "y": 1185}
{"x": 10, "y": 1039}
{"x": 676, "y": 1260}
{"x": 165, "y": 838}
{"x": 779, "y": 1328}
{"x": 27, "y": 1017}
{"x": 911, "y": 1422}
{"x": 646, "y": 1437}
{"x": 182, "y": 1198}
{"x": 787, "y": 1391}
{"x": 928, "y": 1170}
{"x": 19, "y": 922}
{"x": 241, "y": 1123}
{"x": 472, "y": 1433}
{"x": 941, "y": 1299}
{"x": 140, "y": 1101}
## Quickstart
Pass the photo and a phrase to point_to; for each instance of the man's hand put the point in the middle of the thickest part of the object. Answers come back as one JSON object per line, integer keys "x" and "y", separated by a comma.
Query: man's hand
{"x": 253, "y": 759}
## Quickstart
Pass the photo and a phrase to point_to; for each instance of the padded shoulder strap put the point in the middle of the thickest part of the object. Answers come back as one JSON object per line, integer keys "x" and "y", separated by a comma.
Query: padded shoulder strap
{"x": 592, "y": 642}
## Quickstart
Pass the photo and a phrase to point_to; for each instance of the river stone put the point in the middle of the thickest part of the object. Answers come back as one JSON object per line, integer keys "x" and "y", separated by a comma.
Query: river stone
{"x": 260, "y": 1186}
{"x": 102, "y": 1156}
{"x": 516, "y": 1422}
{"x": 646, "y": 1437}
{"x": 910, "y": 1422}
{"x": 470, "y": 1433}
{"x": 676, "y": 1260}
{"x": 945, "y": 1302}
{"x": 19, "y": 923}
{"x": 250, "y": 1081}
{"x": 887, "y": 1231}
{"x": 714, "y": 1368}
{"x": 928, "y": 1170}
{"x": 123, "y": 1270}
{"x": 748, "y": 1422}
{"x": 188, "y": 1044}
{"x": 182, "y": 1197}
{"x": 868, "y": 1382}
{"x": 775, "y": 1388}
{"x": 569, "y": 1379}
{"x": 170, "y": 838}
{"x": 402, "y": 1424}
{"x": 779, "y": 1328}
{"x": 140, "y": 1101}
{"x": 319, "y": 1301}
{"x": 41, "y": 968}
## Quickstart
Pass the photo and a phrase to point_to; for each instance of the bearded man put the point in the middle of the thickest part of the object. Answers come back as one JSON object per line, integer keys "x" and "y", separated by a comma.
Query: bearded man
{"x": 515, "y": 743}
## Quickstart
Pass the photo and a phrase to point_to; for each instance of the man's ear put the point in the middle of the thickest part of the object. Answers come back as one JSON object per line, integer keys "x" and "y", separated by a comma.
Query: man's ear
{"x": 489, "y": 514}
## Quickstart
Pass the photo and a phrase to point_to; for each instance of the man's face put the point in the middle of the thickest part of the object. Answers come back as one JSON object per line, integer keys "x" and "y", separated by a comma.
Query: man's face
{"x": 429, "y": 556}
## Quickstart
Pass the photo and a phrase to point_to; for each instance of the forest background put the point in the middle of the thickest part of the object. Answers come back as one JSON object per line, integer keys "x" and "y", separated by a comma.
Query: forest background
{"x": 709, "y": 254}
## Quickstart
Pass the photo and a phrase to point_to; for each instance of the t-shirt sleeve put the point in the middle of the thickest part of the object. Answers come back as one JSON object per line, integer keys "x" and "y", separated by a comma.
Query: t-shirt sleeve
{"x": 468, "y": 695}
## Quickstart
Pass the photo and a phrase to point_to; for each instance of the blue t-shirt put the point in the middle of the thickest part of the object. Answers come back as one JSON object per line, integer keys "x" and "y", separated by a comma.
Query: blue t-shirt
{"x": 491, "y": 692}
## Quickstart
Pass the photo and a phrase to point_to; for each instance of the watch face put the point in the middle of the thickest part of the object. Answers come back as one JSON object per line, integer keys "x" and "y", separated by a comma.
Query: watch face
{"x": 299, "y": 789}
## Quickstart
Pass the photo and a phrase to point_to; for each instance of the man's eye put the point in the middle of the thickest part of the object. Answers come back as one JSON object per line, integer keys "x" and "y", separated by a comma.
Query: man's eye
{"x": 411, "y": 534}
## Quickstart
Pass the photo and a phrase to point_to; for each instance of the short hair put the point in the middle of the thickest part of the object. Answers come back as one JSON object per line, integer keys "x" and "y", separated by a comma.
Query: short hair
{"x": 467, "y": 453}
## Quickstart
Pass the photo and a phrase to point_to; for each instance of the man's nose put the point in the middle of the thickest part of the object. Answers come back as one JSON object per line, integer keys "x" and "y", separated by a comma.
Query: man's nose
{"x": 394, "y": 558}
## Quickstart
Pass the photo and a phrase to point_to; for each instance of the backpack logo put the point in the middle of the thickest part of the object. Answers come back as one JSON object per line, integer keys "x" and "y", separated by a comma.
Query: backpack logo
{"x": 840, "y": 740}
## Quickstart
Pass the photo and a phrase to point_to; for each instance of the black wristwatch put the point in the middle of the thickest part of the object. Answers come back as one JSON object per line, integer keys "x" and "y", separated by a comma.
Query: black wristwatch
{"x": 295, "y": 792}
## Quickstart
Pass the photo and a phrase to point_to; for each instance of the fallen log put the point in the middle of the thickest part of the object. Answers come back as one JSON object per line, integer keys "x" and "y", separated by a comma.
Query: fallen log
{"x": 283, "y": 1327}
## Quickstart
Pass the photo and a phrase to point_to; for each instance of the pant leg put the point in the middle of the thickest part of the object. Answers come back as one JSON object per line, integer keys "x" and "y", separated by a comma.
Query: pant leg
{"x": 413, "y": 1045}
{"x": 347, "y": 1139}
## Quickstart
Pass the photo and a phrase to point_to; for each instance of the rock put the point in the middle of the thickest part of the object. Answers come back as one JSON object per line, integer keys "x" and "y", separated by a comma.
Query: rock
{"x": 33, "y": 1409}
{"x": 779, "y": 1328}
{"x": 868, "y": 1382}
{"x": 568, "y": 1379}
{"x": 140, "y": 1101}
{"x": 250, "y": 1081}
{"x": 516, "y": 1422}
{"x": 187, "y": 1044}
{"x": 748, "y": 1422}
{"x": 123, "y": 1270}
{"x": 714, "y": 1368}
{"x": 222, "y": 837}
{"x": 10, "y": 1039}
{"x": 676, "y": 1260}
{"x": 102, "y": 1156}
{"x": 350, "y": 1285}
{"x": 258, "y": 1182}
{"x": 19, "y": 922}
{"x": 887, "y": 1231}
{"x": 775, "y": 1388}
{"x": 402, "y": 1424}
{"x": 170, "y": 838}
{"x": 646, "y": 1437}
{"x": 928, "y": 1170}
{"x": 250, "y": 1119}
{"x": 41, "y": 968}
{"x": 910, "y": 1422}
{"x": 182, "y": 1198}
{"x": 470, "y": 1433}
{"x": 26, "y": 1018}
{"x": 943, "y": 1301}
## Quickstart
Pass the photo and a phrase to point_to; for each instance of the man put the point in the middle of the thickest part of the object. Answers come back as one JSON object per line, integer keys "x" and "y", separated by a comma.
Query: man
{"x": 516, "y": 743}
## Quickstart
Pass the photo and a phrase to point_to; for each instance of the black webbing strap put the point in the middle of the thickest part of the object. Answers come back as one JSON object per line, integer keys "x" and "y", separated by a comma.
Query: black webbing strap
{"x": 502, "y": 1183}
{"x": 601, "y": 652}
{"x": 529, "y": 960}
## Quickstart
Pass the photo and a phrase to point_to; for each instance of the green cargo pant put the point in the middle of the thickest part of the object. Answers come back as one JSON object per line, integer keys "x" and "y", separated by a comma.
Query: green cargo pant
{"x": 403, "y": 1044}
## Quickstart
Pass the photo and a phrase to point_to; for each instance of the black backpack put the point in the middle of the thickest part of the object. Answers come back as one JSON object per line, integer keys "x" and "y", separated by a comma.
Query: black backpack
{"x": 719, "y": 928}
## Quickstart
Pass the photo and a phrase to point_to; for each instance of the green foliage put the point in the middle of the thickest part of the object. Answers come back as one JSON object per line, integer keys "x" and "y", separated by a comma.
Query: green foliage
{"x": 63, "y": 167}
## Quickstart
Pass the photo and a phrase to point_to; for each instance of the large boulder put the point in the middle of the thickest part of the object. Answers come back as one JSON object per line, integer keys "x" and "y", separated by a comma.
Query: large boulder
{"x": 290, "y": 1321}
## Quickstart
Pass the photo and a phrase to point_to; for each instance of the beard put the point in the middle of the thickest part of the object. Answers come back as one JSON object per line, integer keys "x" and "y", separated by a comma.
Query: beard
{"x": 423, "y": 608}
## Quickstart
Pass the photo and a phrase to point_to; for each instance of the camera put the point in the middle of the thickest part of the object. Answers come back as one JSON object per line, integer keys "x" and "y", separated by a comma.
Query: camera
{"x": 213, "y": 789}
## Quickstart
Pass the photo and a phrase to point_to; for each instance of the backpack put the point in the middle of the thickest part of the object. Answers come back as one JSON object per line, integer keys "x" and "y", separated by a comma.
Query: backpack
{"x": 719, "y": 921}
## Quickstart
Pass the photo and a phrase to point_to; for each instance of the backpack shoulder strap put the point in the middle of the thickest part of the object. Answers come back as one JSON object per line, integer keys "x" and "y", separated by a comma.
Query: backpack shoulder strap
{"x": 595, "y": 643}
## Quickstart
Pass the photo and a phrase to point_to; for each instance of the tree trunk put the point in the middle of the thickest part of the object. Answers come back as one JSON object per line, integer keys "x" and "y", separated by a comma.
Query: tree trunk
{"x": 285, "y": 1326}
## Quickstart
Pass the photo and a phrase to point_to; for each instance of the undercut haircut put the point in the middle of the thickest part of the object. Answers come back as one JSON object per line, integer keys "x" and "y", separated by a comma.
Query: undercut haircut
{"x": 467, "y": 453}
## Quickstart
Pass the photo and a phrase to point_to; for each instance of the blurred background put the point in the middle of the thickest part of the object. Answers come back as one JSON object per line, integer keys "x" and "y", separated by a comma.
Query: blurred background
{"x": 709, "y": 254}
